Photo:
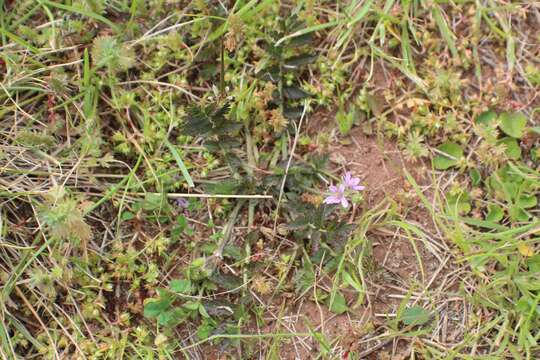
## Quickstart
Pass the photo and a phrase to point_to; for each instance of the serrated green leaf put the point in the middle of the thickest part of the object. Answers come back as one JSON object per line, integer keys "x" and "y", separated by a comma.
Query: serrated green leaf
{"x": 415, "y": 315}
{"x": 345, "y": 121}
{"x": 204, "y": 330}
{"x": 182, "y": 286}
{"x": 449, "y": 155}
{"x": 191, "y": 305}
{"x": 297, "y": 61}
{"x": 207, "y": 120}
{"x": 293, "y": 112}
{"x": 295, "y": 93}
{"x": 226, "y": 186}
{"x": 513, "y": 124}
{"x": 154, "y": 307}
{"x": 301, "y": 40}
{"x": 226, "y": 281}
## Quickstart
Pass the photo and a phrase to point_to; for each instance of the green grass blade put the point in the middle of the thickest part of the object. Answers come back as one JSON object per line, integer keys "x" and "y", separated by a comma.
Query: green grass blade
{"x": 83, "y": 12}
{"x": 180, "y": 163}
{"x": 445, "y": 31}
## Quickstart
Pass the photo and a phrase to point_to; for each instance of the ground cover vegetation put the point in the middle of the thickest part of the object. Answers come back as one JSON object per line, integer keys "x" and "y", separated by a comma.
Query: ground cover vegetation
{"x": 269, "y": 180}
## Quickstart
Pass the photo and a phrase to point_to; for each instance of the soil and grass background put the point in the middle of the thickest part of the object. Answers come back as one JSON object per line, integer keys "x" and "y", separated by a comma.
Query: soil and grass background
{"x": 182, "y": 179}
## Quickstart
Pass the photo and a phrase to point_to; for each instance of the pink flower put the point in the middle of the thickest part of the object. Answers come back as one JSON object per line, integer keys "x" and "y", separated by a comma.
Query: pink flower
{"x": 352, "y": 182}
{"x": 337, "y": 196}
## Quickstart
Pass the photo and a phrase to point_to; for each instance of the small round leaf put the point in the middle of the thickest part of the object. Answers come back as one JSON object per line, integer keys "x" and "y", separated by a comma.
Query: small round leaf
{"x": 513, "y": 124}
{"x": 448, "y": 155}
{"x": 513, "y": 151}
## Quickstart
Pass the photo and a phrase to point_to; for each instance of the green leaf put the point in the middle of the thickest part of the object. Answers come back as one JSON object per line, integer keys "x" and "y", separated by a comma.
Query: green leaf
{"x": 534, "y": 263}
{"x": 227, "y": 281}
{"x": 226, "y": 186}
{"x": 495, "y": 213}
{"x": 486, "y": 118}
{"x": 306, "y": 31}
{"x": 349, "y": 280}
{"x": 172, "y": 317}
{"x": 154, "y": 307}
{"x": 208, "y": 120}
{"x": 204, "y": 330}
{"x": 475, "y": 176}
{"x": 513, "y": 124}
{"x": 445, "y": 30}
{"x": 182, "y": 286}
{"x": 153, "y": 202}
{"x": 203, "y": 311}
{"x": 192, "y": 305}
{"x": 527, "y": 201}
{"x": 293, "y": 112}
{"x": 345, "y": 121}
{"x": 296, "y": 61}
{"x": 180, "y": 162}
{"x": 459, "y": 203}
{"x": 181, "y": 221}
{"x": 535, "y": 153}
{"x": 536, "y": 129}
{"x": 449, "y": 155}
{"x": 126, "y": 215}
{"x": 82, "y": 11}
{"x": 339, "y": 305}
{"x": 513, "y": 151}
{"x": 295, "y": 93}
{"x": 415, "y": 315}
{"x": 518, "y": 214}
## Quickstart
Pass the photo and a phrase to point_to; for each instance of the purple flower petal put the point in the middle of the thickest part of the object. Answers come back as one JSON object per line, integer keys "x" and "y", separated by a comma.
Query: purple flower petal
{"x": 344, "y": 202}
{"x": 352, "y": 183}
{"x": 332, "y": 200}
{"x": 181, "y": 202}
